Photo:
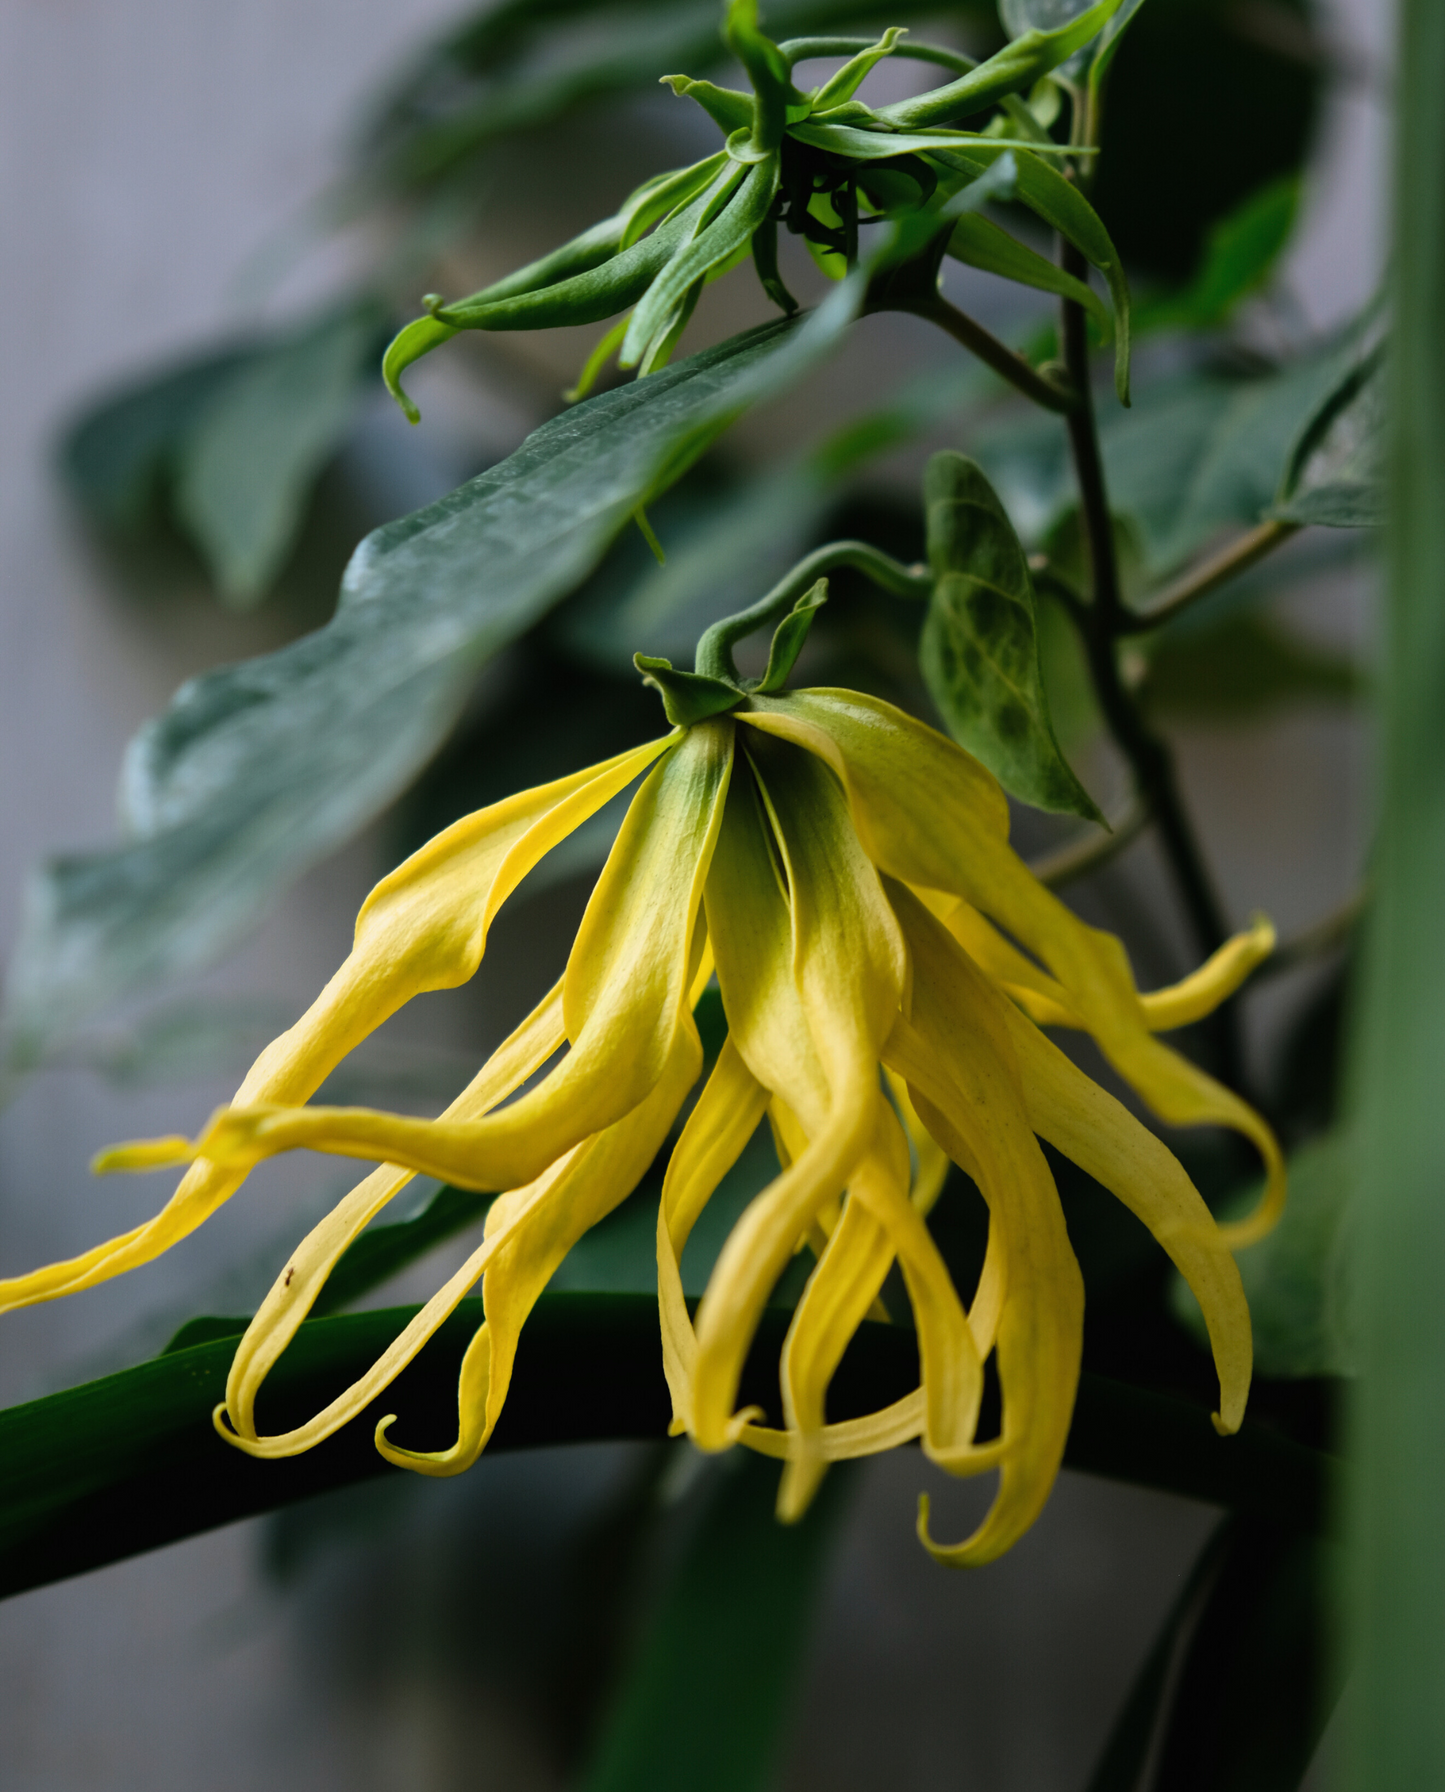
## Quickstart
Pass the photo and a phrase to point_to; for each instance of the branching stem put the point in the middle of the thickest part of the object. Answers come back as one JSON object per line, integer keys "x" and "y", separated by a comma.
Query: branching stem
{"x": 1236, "y": 557}
{"x": 1103, "y": 621}
{"x": 993, "y": 353}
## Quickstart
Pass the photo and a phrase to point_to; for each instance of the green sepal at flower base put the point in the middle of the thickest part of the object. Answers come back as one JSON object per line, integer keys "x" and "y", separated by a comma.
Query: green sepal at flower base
{"x": 820, "y": 164}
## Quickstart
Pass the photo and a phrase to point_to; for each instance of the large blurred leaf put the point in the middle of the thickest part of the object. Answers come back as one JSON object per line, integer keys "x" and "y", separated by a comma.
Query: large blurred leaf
{"x": 704, "y": 1699}
{"x": 1199, "y": 453}
{"x": 1202, "y": 107}
{"x": 726, "y": 547}
{"x": 1299, "y": 1280}
{"x": 980, "y": 649}
{"x": 228, "y": 445}
{"x": 1397, "y": 1421}
{"x": 119, "y": 456}
{"x": 254, "y": 449}
{"x": 1240, "y": 253}
{"x": 1335, "y": 475}
{"x": 132, "y": 1462}
{"x": 258, "y": 770}
{"x": 1130, "y": 1742}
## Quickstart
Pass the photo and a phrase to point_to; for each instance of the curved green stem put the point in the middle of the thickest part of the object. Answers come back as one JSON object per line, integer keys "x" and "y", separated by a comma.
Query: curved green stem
{"x": 715, "y": 648}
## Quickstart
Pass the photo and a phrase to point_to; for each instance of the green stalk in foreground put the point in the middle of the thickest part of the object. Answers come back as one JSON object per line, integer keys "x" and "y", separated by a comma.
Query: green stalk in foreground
{"x": 1398, "y": 1419}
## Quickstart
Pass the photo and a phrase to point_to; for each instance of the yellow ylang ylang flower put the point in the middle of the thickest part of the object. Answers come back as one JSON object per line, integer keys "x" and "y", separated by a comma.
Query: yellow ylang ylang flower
{"x": 885, "y": 961}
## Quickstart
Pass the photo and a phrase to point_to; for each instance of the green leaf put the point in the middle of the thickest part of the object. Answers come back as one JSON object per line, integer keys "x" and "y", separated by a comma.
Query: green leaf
{"x": 1014, "y": 69}
{"x": 1063, "y": 208}
{"x": 1335, "y": 472}
{"x": 706, "y": 1697}
{"x": 132, "y": 1462}
{"x": 248, "y": 462}
{"x": 1242, "y": 666}
{"x": 258, "y": 770}
{"x": 1240, "y": 253}
{"x": 1198, "y": 453}
{"x": 1299, "y": 1280}
{"x": 979, "y": 651}
{"x": 980, "y": 243}
{"x": 119, "y": 456}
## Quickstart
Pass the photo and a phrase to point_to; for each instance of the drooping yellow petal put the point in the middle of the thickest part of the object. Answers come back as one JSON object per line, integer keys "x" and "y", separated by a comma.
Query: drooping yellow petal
{"x": 1202, "y": 991}
{"x": 839, "y": 1295}
{"x": 423, "y": 927}
{"x": 1104, "y": 1139}
{"x": 295, "y": 1290}
{"x": 1044, "y": 999}
{"x": 597, "y": 1177}
{"x": 810, "y": 981}
{"x": 629, "y": 979}
{"x": 725, "y": 1117}
{"x": 924, "y": 814}
{"x": 957, "y": 1058}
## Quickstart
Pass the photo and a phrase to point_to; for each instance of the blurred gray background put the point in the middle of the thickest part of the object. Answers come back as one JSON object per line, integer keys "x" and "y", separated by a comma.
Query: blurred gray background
{"x": 157, "y": 157}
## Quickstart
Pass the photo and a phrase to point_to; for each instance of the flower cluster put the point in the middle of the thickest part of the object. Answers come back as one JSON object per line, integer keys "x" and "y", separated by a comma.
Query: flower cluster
{"x": 819, "y": 163}
{"x": 886, "y": 963}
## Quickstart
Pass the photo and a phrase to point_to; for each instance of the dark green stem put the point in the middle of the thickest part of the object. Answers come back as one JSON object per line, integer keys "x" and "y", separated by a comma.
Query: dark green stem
{"x": 1103, "y": 622}
{"x": 715, "y": 649}
{"x": 993, "y": 353}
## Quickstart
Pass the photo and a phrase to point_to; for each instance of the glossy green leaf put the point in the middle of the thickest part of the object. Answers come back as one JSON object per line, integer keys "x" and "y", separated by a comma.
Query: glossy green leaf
{"x": 979, "y": 650}
{"x": 260, "y": 769}
{"x": 723, "y": 551}
{"x": 1396, "y": 1422}
{"x": 704, "y": 1701}
{"x": 252, "y": 454}
{"x": 1299, "y": 1280}
{"x": 1240, "y": 254}
{"x": 382, "y": 1252}
{"x": 132, "y": 1462}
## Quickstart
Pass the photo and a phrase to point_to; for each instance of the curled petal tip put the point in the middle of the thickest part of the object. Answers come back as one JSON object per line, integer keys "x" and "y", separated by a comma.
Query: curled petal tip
{"x": 143, "y": 1154}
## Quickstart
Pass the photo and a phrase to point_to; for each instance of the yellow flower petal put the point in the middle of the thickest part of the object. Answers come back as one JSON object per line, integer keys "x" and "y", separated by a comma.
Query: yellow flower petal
{"x": 725, "y": 1117}
{"x": 295, "y": 1290}
{"x": 957, "y": 1058}
{"x": 624, "y": 1000}
{"x": 423, "y": 927}
{"x": 838, "y": 1297}
{"x": 922, "y": 810}
{"x": 1202, "y": 991}
{"x": 810, "y": 982}
{"x": 597, "y": 1176}
{"x": 1104, "y": 1139}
